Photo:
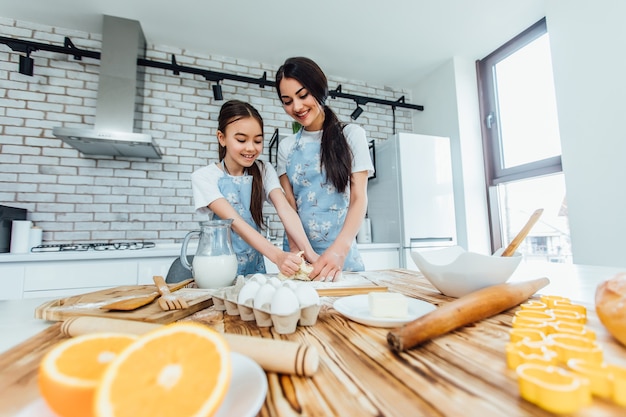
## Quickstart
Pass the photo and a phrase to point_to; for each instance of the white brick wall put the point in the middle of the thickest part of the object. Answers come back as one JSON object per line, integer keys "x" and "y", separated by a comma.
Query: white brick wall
{"x": 76, "y": 198}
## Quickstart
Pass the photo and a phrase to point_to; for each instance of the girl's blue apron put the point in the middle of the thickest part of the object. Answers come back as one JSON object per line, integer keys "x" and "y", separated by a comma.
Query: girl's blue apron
{"x": 238, "y": 192}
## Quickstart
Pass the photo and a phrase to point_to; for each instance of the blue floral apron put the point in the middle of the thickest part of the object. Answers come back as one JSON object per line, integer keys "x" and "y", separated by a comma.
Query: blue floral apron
{"x": 238, "y": 191}
{"x": 321, "y": 208}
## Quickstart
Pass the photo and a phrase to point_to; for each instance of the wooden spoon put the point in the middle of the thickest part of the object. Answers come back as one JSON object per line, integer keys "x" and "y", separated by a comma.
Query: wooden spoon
{"x": 517, "y": 240}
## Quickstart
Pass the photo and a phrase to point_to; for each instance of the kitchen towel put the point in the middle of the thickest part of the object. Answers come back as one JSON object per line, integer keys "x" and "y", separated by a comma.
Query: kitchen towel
{"x": 20, "y": 236}
{"x": 35, "y": 237}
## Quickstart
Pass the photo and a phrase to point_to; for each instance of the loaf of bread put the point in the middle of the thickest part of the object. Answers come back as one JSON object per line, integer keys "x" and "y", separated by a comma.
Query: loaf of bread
{"x": 611, "y": 306}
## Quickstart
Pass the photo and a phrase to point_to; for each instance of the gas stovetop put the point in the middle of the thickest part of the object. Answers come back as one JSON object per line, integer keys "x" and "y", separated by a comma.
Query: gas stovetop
{"x": 76, "y": 247}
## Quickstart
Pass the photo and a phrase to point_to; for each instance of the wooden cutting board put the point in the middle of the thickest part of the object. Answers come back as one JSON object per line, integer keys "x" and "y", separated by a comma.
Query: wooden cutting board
{"x": 89, "y": 305}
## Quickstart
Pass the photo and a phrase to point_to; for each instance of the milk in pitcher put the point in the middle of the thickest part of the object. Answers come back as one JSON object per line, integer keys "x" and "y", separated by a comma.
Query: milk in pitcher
{"x": 214, "y": 271}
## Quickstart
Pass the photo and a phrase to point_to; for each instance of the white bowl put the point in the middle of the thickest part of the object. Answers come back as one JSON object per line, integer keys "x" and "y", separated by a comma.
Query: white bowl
{"x": 455, "y": 272}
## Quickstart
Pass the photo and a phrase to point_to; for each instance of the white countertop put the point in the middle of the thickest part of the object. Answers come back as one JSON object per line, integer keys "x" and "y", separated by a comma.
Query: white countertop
{"x": 18, "y": 322}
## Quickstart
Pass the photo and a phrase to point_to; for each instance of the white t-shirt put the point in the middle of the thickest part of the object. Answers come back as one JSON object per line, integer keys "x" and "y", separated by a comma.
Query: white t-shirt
{"x": 204, "y": 184}
{"x": 355, "y": 136}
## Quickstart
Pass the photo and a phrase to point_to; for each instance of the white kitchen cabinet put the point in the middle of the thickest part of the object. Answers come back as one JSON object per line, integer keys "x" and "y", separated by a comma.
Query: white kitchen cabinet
{"x": 11, "y": 282}
{"x": 79, "y": 274}
{"x": 380, "y": 256}
{"x": 149, "y": 267}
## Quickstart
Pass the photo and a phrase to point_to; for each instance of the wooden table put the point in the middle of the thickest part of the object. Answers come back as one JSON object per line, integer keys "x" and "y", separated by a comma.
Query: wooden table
{"x": 461, "y": 373}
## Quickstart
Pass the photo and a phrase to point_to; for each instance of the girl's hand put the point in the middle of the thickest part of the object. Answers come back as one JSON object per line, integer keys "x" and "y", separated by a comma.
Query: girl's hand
{"x": 328, "y": 267}
{"x": 288, "y": 263}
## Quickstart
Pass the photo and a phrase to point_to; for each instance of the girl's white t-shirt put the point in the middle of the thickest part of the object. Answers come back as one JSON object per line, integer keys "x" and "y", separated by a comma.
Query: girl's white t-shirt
{"x": 204, "y": 184}
{"x": 357, "y": 140}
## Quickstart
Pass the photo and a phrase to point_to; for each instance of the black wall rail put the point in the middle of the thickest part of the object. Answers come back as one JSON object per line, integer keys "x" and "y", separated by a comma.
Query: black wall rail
{"x": 27, "y": 47}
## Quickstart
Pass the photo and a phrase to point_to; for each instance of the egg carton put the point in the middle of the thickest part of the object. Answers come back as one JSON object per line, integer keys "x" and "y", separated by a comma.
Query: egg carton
{"x": 228, "y": 299}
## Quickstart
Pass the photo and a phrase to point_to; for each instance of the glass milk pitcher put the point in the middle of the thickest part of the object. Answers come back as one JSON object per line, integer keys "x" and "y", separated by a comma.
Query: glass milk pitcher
{"x": 215, "y": 262}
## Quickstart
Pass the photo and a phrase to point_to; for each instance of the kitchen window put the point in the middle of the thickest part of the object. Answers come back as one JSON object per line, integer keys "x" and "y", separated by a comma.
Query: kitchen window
{"x": 522, "y": 146}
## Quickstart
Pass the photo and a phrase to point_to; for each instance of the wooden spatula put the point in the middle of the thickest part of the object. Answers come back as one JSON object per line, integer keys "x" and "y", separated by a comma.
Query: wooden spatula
{"x": 168, "y": 301}
{"x": 133, "y": 303}
{"x": 517, "y": 240}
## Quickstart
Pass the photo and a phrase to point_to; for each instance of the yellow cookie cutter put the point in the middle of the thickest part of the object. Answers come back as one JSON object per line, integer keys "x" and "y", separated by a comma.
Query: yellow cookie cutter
{"x": 571, "y": 346}
{"x": 550, "y": 300}
{"x": 529, "y": 351}
{"x": 553, "y": 388}
{"x": 606, "y": 381}
{"x": 570, "y": 316}
{"x": 524, "y": 318}
{"x": 561, "y": 305}
{"x": 520, "y": 333}
{"x": 534, "y": 305}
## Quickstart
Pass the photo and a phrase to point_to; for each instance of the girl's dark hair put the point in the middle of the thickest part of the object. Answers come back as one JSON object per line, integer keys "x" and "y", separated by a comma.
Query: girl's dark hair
{"x": 336, "y": 157}
{"x": 230, "y": 112}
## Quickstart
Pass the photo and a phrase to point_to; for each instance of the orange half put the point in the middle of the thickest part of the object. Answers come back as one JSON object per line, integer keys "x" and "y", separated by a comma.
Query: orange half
{"x": 70, "y": 372}
{"x": 179, "y": 370}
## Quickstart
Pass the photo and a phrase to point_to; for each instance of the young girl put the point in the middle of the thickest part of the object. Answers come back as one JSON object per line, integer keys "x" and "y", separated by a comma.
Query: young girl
{"x": 236, "y": 187}
{"x": 323, "y": 169}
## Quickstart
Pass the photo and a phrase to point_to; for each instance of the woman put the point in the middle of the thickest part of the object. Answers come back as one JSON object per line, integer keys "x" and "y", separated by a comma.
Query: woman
{"x": 236, "y": 187}
{"x": 323, "y": 169}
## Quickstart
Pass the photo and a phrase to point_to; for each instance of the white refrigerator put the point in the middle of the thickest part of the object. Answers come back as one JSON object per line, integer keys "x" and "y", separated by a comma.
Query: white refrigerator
{"x": 411, "y": 198}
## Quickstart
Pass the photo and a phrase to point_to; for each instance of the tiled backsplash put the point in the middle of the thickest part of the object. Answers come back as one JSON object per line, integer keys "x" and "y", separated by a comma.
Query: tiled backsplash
{"x": 78, "y": 198}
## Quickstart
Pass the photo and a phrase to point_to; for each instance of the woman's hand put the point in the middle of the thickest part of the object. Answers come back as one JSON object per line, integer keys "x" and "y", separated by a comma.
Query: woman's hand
{"x": 328, "y": 266}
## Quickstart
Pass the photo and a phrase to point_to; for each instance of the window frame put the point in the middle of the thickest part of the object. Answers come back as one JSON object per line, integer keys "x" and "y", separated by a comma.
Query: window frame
{"x": 495, "y": 171}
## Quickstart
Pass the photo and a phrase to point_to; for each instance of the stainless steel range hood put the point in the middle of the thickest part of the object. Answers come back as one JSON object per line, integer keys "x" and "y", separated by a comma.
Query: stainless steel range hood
{"x": 118, "y": 108}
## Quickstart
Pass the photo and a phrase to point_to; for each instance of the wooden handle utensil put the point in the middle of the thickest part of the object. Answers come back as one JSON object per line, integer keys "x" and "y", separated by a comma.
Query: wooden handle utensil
{"x": 281, "y": 356}
{"x": 134, "y": 302}
{"x": 473, "y": 307}
{"x": 344, "y": 291}
{"x": 517, "y": 240}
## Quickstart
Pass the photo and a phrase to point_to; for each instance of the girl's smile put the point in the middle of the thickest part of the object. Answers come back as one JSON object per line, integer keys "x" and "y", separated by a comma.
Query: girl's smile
{"x": 243, "y": 141}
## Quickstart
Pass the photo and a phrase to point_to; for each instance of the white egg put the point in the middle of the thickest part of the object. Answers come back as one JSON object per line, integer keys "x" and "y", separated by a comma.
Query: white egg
{"x": 275, "y": 282}
{"x": 264, "y": 295}
{"x": 284, "y": 302}
{"x": 248, "y": 291}
{"x": 260, "y": 278}
{"x": 307, "y": 296}
{"x": 291, "y": 284}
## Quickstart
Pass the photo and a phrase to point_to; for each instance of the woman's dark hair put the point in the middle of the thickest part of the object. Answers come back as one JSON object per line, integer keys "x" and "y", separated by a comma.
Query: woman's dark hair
{"x": 230, "y": 112}
{"x": 336, "y": 157}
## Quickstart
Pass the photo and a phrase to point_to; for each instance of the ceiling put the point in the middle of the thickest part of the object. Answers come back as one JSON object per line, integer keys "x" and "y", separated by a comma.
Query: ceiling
{"x": 389, "y": 43}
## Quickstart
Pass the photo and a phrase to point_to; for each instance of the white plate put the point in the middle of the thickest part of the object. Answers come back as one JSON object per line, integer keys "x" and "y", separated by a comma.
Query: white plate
{"x": 356, "y": 308}
{"x": 245, "y": 397}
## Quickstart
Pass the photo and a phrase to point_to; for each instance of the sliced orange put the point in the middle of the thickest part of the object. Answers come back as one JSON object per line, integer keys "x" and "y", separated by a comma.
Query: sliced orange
{"x": 70, "y": 372}
{"x": 179, "y": 370}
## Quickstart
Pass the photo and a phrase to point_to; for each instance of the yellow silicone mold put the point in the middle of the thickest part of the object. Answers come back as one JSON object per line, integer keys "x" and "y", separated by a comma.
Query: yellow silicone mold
{"x": 524, "y": 318}
{"x": 569, "y": 346}
{"x": 534, "y": 305}
{"x": 552, "y": 388}
{"x": 550, "y": 300}
{"x": 606, "y": 381}
{"x": 528, "y": 351}
{"x": 520, "y": 333}
{"x": 569, "y": 316}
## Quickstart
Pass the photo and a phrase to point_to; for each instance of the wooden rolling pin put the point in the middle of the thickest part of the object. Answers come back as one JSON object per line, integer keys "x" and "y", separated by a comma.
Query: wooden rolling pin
{"x": 281, "y": 356}
{"x": 472, "y": 307}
